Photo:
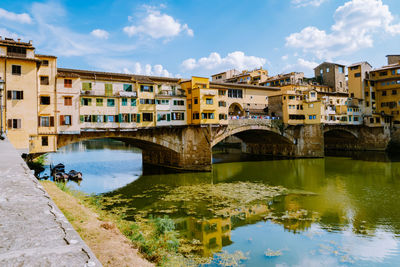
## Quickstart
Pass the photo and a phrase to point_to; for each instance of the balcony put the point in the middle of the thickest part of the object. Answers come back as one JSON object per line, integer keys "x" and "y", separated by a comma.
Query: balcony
{"x": 209, "y": 92}
{"x": 171, "y": 93}
{"x": 14, "y": 54}
{"x": 128, "y": 94}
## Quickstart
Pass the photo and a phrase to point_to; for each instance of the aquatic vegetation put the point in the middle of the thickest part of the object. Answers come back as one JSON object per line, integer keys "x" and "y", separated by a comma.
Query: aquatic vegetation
{"x": 224, "y": 258}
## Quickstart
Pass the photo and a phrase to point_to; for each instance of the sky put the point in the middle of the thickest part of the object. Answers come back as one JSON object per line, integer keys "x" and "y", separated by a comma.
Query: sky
{"x": 183, "y": 38}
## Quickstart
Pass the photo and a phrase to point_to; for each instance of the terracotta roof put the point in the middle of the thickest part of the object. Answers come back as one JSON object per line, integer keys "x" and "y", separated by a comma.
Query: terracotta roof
{"x": 41, "y": 55}
{"x": 247, "y": 86}
{"x": 88, "y": 74}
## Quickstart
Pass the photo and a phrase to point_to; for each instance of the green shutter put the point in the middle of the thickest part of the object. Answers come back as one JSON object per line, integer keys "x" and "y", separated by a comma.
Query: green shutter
{"x": 108, "y": 89}
{"x": 89, "y": 101}
{"x": 183, "y": 116}
{"x": 81, "y": 101}
{"x": 169, "y": 117}
{"x": 138, "y": 118}
{"x": 120, "y": 117}
{"x": 151, "y": 89}
{"x": 133, "y": 102}
{"x": 86, "y": 86}
{"x": 82, "y": 118}
{"x": 105, "y": 118}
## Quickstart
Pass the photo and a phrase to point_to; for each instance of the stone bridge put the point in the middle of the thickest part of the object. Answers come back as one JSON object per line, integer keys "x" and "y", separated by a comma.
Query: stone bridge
{"x": 190, "y": 147}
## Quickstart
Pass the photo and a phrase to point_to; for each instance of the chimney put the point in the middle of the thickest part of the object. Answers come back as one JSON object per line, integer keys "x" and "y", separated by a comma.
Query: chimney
{"x": 30, "y": 41}
{"x": 19, "y": 40}
{"x": 393, "y": 59}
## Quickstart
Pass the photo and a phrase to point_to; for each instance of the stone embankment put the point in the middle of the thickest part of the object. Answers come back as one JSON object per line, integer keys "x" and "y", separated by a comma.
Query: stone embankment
{"x": 33, "y": 231}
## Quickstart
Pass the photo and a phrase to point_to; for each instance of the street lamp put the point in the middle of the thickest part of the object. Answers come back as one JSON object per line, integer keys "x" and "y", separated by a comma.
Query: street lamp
{"x": 1, "y": 107}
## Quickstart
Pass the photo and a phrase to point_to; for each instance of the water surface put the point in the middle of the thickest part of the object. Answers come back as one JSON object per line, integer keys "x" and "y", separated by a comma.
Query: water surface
{"x": 340, "y": 210}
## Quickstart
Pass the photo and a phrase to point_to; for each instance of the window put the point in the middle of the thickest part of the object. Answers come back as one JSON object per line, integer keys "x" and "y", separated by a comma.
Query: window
{"x": 147, "y": 116}
{"x": 14, "y": 123}
{"x": 46, "y": 121}
{"x": 327, "y": 70}
{"x": 235, "y": 93}
{"x": 366, "y": 93}
{"x": 86, "y": 86}
{"x": 162, "y": 102}
{"x": 110, "y": 118}
{"x": 16, "y": 51}
{"x": 310, "y": 105}
{"x": 354, "y": 68}
{"x": 146, "y": 88}
{"x": 222, "y": 116}
{"x": 310, "y": 117}
{"x": 163, "y": 117}
{"x": 178, "y": 116}
{"x": 221, "y": 104}
{"x": 110, "y": 102}
{"x": 179, "y": 103}
{"x": 314, "y": 117}
{"x": 133, "y": 102}
{"x": 99, "y": 102}
{"x": 207, "y": 115}
{"x": 65, "y": 120}
{"x": 312, "y": 94}
{"x": 45, "y": 140}
{"x": 383, "y": 73}
{"x": 67, "y": 83}
{"x": 321, "y": 71}
{"x": 209, "y": 101}
{"x": 357, "y": 74}
{"x": 108, "y": 89}
{"x": 16, "y": 70}
{"x": 45, "y": 100}
{"x": 124, "y": 101}
{"x": 45, "y": 63}
{"x": 367, "y": 103}
{"x": 15, "y": 95}
{"x": 341, "y": 69}
{"x": 383, "y": 93}
{"x": 44, "y": 80}
{"x": 68, "y": 101}
{"x": 196, "y": 116}
{"x": 394, "y": 92}
{"x": 86, "y": 101}
{"x": 398, "y": 71}
{"x": 145, "y": 101}
{"x": 196, "y": 100}
{"x": 221, "y": 92}
{"x": 128, "y": 87}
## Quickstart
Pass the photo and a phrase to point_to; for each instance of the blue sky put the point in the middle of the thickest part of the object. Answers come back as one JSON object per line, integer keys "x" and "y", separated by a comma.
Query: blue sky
{"x": 183, "y": 38}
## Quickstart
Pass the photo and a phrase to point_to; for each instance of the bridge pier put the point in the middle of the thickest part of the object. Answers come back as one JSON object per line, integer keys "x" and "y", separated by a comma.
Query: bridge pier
{"x": 194, "y": 154}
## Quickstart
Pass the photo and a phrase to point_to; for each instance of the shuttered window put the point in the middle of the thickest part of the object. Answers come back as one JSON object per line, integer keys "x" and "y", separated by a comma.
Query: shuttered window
{"x": 86, "y": 86}
{"x": 108, "y": 89}
{"x": 14, "y": 123}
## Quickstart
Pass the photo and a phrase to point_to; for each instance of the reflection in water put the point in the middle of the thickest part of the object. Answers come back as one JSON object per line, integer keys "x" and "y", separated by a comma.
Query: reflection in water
{"x": 340, "y": 210}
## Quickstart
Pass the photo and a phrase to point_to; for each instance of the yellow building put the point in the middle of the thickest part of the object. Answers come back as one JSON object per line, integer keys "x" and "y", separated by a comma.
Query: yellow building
{"x": 384, "y": 85}
{"x": 19, "y": 70}
{"x": 202, "y": 104}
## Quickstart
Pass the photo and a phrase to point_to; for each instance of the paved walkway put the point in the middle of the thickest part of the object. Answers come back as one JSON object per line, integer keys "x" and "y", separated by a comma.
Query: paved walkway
{"x": 33, "y": 231}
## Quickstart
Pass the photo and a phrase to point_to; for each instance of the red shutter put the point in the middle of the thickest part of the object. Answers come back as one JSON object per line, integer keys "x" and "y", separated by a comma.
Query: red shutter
{"x": 22, "y": 94}
{"x": 62, "y": 120}
{"x": 8, "y": 94}
{"x": 38, "y": 121}
{"x": 9, "y": 123}
{"x": 51, "y": 121}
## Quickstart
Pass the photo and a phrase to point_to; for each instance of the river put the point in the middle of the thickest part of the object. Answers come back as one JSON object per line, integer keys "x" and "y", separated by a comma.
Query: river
{"x": 338, "y": 210}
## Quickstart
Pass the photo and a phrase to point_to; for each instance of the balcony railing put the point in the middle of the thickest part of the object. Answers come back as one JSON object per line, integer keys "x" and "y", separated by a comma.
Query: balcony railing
{"x": 14, "y": 54}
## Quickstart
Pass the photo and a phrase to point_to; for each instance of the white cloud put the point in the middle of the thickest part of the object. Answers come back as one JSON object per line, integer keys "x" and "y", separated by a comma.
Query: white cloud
{"x": 214, "y": 62}
{"x": 21, "y": 18}
{"x": 285, "y": 57}
{"x": 99, "y": 33}
{"x": 301, "y": 65}
{"x": 356, "y": 22}
{"x": 304, "y": 3}
{"x": 6, "y": 33}
{"x": 121, "y": 65}
{"x": 157, "y": 25}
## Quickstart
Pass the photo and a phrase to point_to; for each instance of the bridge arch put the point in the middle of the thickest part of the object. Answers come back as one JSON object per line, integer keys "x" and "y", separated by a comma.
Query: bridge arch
{"x": 239, "y": 131}
{"x": 340, "y": 138}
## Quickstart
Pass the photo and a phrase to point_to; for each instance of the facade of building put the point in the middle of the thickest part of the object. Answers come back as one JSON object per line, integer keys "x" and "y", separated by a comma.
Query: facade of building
{"x": 332, "y": 75}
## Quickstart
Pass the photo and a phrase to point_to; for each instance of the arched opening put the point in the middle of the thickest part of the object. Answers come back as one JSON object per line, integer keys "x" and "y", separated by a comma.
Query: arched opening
{"x": 235, "y": 109}
{"x": 252, "y": 144}
{"x": 339, "y": 140}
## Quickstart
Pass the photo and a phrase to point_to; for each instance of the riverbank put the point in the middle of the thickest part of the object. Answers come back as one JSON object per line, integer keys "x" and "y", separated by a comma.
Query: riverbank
{"x": 110, "y": 246}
